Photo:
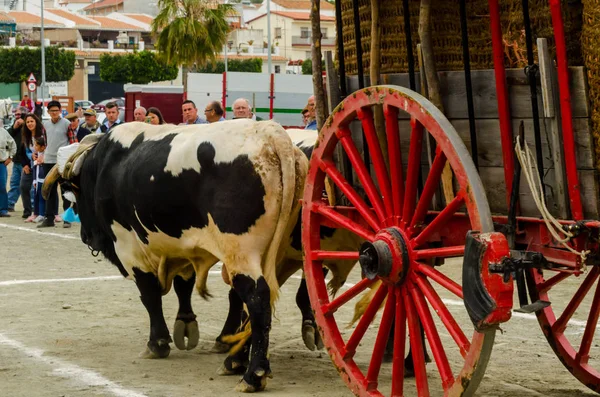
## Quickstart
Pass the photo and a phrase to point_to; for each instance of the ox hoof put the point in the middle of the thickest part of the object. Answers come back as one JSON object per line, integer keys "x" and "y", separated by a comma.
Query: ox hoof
{"x": 245, "y": 387}
{"x": 183, "y": 330}
{"x": 156, "y": 349}
{"x": 231, "y": 366}
{"x": 220, "y": 347}
{"x": 310, "y": 336}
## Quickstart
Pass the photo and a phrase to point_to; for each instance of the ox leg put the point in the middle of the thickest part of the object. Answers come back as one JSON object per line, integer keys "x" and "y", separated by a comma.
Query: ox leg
{"x": 256, "y": 295}
{"x": 186, "y": 325}
{"x": 151, "y": 296}
{"x": 409, "y": 368}
{"x": 310, "y": 334}
{"x": 232, "y": 323}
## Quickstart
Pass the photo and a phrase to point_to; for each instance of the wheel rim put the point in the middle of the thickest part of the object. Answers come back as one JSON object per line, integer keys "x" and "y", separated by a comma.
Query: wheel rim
{"x": 571, "y": 333}
{"x": 398, "y": 226}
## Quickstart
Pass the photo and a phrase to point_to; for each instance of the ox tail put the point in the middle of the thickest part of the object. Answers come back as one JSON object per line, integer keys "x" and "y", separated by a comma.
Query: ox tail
{"x": 294, "y": 167}
{"x": 363, "y": 303}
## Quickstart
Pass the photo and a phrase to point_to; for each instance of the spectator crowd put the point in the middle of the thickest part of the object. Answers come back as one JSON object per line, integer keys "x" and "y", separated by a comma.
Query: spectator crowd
{"x": 32, "y": 146}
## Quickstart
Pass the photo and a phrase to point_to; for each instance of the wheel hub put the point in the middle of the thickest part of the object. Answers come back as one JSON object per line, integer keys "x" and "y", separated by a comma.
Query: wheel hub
{"x": 386, "y": 257}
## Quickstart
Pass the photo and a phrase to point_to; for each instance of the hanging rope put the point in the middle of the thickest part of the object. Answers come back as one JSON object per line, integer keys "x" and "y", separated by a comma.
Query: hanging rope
{"x": 530, "y": 169}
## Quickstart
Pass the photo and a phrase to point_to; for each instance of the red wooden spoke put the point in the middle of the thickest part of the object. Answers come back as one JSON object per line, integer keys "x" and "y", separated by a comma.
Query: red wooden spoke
{"x": 365, "y": 115}
{"x": 440, "y": 308}
{"x": 342, "y": 221}
{"x": 432, "y": 183}
{"x": 362, "y": 172}
{"x": 439, "y": 278}
{"x": 330, "y": 308}
{"x": 414, "y": 165}
{"x": 590, "y": 328}
{"x": 364, "y": 322}
{"x": 399, "y": 342}
{"x": 551, "y": 282}
{"x": 319, "y": 255}
{"x": 381, "y": 341}
{"x": 439, "y": 354}
{"x": 440, "y": 220}
{"x": 443, "y": 252}
{"x": 329, "y": 168}
{"x": 395, "y": 155}
{"x": 417, "y": 348}
{"x": 561, "y": 323}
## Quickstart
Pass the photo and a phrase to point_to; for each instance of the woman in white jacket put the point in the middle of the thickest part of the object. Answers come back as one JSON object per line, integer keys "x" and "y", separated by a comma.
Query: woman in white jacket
{"x": 8, "y": 148}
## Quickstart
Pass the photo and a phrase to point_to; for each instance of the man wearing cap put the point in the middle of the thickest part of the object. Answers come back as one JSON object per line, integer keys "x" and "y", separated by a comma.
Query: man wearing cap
{"x": 90, "y": 122}
{"x": 75, "y": 132}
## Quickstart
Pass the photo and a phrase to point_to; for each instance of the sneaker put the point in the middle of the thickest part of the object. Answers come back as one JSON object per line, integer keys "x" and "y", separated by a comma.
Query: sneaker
{"x": 4, "y": 215}
{"x": 26, "y": 215}
{"x": 11, "y": 209}
{"x": 66, "y": 225}
{"x": 31, "y": 218}
{"x": 57, "y": 218}
{"x": 38, "y": 219}
{"x": 46, "y": 223}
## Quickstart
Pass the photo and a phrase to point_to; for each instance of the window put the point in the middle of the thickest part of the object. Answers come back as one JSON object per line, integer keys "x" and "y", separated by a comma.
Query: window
{"x": 277, "y": 33}
{"x": 324, "y": 33}
{"x": 277, "y": 69}
{"x": 304, "y": 33}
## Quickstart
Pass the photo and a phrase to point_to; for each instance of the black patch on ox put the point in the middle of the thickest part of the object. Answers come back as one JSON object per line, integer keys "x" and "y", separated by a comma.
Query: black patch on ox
{"x": 133, "y": 189}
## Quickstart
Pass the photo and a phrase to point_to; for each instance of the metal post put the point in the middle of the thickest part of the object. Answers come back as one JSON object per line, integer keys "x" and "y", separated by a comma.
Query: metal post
{"x": 269, "y": 36}
{"x": 409, "y": 47}
{"x": 468, "y": 83}
{"x": 43, "y": 49}
{"x": 340, "y": 43}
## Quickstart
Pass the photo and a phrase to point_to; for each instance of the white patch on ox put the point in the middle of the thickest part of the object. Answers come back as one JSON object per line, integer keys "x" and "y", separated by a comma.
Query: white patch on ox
{"x": 303, "y": 138}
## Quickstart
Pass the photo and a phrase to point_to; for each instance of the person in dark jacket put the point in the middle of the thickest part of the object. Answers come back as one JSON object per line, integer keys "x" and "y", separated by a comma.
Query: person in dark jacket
{"x": 15, "y": 179}
{"x": 31, "y": 130}
{"x": 77, "y": 131}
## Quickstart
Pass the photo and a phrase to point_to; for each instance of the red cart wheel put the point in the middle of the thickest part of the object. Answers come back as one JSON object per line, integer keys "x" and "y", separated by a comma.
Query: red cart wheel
{"x": 396, "y": 225}
{"x": 569, "y": 324}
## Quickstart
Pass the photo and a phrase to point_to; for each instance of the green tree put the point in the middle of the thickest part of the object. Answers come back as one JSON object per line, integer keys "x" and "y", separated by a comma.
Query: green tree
{"x": 190, "y": 32}
{"x": 138, "y": 68}
{"x": 16, "y": 64}
{"x": 252, "y": 65}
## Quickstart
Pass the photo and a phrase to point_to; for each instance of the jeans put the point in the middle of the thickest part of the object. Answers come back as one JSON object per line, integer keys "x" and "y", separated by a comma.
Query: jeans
{"x": 39, "y": 207}
{"x": 52, "y": 202}
{"x": 3, "y": 193}
{"x": 15, "y": 181}
{"x": 26, "y": 189}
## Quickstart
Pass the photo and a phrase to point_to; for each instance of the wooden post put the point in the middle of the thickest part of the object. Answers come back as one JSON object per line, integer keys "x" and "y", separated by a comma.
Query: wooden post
{"x": 433, "y": 82}
{"x": 317, "y": 72}
{"x": 549, "y": 82}
{"x": 375, "y": 75}
{"x": 334, "y": 97}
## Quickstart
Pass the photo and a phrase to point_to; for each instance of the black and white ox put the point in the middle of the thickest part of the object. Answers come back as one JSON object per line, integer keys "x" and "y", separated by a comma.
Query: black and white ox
{"x": 165, "y": 203}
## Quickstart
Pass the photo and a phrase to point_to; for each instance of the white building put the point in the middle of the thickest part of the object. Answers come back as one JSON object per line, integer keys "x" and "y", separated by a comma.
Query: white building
{"x": 291, "y": 32}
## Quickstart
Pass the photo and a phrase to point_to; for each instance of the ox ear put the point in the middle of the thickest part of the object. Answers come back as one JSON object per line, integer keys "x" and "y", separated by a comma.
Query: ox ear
{"x": 49, "y": 181}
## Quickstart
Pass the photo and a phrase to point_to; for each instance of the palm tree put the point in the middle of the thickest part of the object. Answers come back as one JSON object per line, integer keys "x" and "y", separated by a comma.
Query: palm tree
{"x": 190, "y": 32}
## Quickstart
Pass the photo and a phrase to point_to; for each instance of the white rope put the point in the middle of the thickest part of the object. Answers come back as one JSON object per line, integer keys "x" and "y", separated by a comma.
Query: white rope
{"x": 530, "y": 169}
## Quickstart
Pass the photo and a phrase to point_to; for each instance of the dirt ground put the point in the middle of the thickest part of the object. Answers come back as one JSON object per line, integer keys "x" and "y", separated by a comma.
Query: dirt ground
{"x": 71, "y": 326}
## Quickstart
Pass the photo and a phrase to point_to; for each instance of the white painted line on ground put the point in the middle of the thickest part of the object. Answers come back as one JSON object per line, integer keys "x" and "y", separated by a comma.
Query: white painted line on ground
{"x": 70, "y": 371}
{"x": 58, "y": 280}
{"x": 68, "y": 280}
{"x": 26, "y": 229}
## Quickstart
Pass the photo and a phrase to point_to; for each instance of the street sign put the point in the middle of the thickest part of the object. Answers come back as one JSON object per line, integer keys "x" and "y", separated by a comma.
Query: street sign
{"x": 31, "y": 78}
{"x": 31, "y": 86}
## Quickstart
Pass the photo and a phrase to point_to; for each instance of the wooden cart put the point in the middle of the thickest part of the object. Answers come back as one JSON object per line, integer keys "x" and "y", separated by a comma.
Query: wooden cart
{"x": 389, "y": 182}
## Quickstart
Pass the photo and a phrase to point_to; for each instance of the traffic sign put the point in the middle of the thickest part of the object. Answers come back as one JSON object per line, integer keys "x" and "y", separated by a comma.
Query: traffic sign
{"x": 31, "y": 86}
{"x": 31, "y": 78}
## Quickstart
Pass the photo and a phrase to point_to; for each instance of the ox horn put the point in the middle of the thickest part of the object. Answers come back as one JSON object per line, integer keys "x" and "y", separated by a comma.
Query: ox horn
{"x": 49, "y": 181}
